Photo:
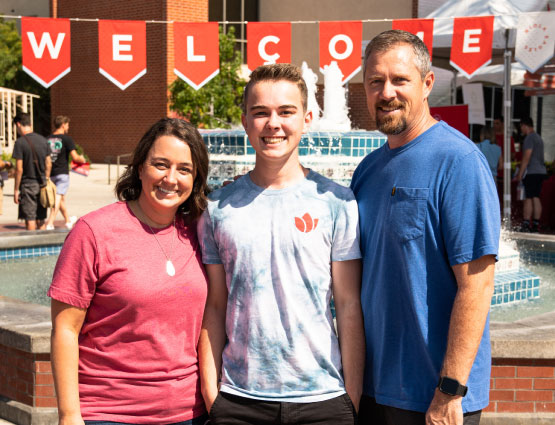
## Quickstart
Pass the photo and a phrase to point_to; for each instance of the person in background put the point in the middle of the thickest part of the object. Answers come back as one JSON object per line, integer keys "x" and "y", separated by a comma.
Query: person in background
{"x": 4, "y": 165}
{"x": 27, "y": 181}
{"x": 62, "y": 147}
{"x": 532, "y": 173}
{"x": 491, "y": 150}
{"x": 429, "y": 226}
{"x": 129, "y": 290}
{"x": 277, "y": 243}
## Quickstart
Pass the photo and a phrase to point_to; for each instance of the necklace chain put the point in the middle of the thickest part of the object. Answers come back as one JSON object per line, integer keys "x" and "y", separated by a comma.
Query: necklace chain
{"x": 160, "y": 245}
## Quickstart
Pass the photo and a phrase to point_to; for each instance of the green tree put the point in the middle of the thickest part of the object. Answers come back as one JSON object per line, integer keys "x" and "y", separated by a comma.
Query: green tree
{"x": 218, "y": 102}
{"x": 13, "y": 77}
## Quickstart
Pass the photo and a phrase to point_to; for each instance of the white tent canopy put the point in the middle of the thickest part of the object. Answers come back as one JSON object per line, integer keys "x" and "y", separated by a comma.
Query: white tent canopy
{"x": 506, "y": 17}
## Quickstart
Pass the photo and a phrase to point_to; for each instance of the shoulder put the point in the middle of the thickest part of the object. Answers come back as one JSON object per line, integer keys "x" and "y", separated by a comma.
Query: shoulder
{"x": 229, "y": 191}
{"x": 328, "y": 188}
{"x": 107, "y": 217}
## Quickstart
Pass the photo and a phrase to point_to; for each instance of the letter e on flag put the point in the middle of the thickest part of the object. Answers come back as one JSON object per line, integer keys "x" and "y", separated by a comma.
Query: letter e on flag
{"x": 46, "y": 49}
{"x": 422, "y": 28}
{"x": 196, "y": 52}
{"x": 471, "y": 46}
{"x": 122, "y": 51}
{"x": 341, "y": 42}
{"x": 267, "y": 43}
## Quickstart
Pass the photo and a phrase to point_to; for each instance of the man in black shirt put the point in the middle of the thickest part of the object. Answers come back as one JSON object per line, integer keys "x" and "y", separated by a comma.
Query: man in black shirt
{"x": 62, "y": 147}
{"x": 27, "y": 181}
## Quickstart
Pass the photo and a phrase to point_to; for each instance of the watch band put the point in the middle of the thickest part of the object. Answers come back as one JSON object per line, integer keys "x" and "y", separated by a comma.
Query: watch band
{"x": 451, "y": 386}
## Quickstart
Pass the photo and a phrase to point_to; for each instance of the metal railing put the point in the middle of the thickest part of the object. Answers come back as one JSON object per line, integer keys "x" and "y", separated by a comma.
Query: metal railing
{"x": 109, "y": 159}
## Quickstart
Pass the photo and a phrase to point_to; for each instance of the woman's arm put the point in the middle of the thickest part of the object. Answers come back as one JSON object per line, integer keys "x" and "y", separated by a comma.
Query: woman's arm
{"x": 66, "y": 325}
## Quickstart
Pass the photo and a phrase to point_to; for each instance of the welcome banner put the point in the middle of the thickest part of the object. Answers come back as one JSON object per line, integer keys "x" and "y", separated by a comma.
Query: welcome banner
{"x": 341, "y": 42}
{"x": 45, "y": 49}
{"x": 268, "y": 42}
{"x": 196, "y": 52}
{"x": 122, "y": 51}
{"x": 46, "y": 46}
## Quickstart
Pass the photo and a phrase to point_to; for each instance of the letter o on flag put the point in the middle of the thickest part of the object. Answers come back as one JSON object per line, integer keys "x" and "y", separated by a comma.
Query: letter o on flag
{"x": 333, "y": 46}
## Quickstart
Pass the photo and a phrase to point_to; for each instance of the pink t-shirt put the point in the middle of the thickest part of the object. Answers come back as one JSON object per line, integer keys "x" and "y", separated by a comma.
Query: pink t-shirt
{"x": 138, "y": 359}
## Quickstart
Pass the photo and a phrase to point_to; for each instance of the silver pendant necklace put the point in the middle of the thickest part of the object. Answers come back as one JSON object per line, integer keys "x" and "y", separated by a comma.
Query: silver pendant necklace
{"x": 170, "y": 269}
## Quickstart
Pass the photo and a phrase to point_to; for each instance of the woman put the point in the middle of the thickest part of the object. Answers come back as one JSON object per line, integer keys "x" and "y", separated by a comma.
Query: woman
{"x": 129, "y": 290}
{"x": 491, "y": 151}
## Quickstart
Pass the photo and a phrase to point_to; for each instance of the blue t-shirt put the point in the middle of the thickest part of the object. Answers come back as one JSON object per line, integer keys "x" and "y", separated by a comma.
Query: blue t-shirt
{"x": 276, "y": 247}
{"x": 424, "y": 207}
{"x": 492, "y": 152}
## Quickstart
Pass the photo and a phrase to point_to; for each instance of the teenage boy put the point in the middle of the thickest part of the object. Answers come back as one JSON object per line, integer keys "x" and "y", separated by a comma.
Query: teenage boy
{"x": 277, "y": 243}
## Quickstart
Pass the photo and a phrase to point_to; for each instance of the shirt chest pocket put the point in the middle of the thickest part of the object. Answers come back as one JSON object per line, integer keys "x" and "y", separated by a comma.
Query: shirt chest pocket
{"x": 407, "y": 212}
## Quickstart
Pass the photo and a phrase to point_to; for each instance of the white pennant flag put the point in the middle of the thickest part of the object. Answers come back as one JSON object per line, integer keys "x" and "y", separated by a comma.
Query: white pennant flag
{"x": 535, "y": 39}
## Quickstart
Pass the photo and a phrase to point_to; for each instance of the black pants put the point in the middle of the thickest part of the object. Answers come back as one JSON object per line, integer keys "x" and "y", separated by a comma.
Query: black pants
{"x": 372, "y": 413}
{"x": 230, "y": 409}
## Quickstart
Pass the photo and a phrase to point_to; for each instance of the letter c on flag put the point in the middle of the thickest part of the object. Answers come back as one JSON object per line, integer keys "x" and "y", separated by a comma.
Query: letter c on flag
{"x": 333, "y": 44}
{"x": 268, "y": 59}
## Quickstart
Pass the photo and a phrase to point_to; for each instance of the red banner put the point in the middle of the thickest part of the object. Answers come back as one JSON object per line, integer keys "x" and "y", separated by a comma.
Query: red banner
{"x": 341, "y": 42}
{"x": 268, "y": 42}
{"x": 46, "y": 49}
{"x": 455, "y": 115}
{"x": 471, "y": 46}
{"x": 422, "y": 28}
{"x": 122, "y": 51}
{"x": 196, "y": 52}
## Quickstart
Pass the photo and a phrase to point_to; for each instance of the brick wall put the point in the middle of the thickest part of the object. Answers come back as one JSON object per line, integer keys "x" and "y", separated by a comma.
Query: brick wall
{"x": 104, "y": 119}
{"x": 26, "y": 377}
{"x": 522, "y": 386}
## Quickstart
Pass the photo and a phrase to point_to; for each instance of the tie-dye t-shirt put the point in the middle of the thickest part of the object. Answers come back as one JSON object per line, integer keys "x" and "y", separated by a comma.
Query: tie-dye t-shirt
{"x": 276, "y": 247}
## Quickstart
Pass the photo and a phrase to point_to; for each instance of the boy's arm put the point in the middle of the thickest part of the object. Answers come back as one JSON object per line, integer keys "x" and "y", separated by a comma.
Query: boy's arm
{"x": 212, "y": 334}
{"x": 346, "y": 277}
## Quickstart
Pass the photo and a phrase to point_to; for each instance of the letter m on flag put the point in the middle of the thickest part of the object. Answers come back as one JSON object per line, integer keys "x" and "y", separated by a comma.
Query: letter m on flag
{"x": 46, "y": 49}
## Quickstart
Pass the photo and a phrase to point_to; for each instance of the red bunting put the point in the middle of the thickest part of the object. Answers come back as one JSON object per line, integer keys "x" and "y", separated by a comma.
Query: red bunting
{"x": 422, "y": 28}
{"x": 122, "y": 51}
{"x": 341, "y": 42}
{"x": 471, "y": 46}
{"x": 196, "y": 52}
{"x": 46, "y": 49}
{"x": 268, "y": 42}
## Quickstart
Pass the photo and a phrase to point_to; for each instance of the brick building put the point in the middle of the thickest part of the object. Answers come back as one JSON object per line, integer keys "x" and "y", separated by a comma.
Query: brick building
{"x": 108, "y": 121}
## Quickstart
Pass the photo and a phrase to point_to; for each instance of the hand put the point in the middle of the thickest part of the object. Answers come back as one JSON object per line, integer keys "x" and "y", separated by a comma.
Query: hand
{"x": 209, "y": 398}
{"x": 16, "y": 196}
{"x": 355, "y": 398}
{"x": 445, "y": 410}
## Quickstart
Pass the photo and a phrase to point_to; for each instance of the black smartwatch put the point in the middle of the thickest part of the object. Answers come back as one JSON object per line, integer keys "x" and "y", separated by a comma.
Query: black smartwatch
{"x": 451, "y": 386}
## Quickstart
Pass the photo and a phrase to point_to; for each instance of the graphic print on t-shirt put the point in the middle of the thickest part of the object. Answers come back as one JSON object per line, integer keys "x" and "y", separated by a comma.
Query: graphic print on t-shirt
{"x": 55, "y": 146}
{"x": 306, "y": 223}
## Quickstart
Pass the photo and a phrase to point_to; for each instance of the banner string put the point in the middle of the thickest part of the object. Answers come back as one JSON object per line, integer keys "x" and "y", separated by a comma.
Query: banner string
{"x": 246, "y": 22}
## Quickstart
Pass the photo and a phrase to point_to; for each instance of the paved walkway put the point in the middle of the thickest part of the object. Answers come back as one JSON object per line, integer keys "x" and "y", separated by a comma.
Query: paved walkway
{"x": 85, "y": 194}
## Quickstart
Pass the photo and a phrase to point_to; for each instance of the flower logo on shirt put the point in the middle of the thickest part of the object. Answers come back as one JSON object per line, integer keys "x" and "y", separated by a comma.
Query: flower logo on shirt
{"x": 306, "y": 223}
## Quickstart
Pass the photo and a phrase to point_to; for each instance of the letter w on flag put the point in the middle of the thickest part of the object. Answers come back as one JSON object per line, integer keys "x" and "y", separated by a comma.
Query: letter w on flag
{"x": 46, "y": 49}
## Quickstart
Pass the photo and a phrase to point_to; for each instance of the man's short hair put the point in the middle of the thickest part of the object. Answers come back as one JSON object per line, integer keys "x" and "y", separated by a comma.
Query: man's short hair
{"x": 23, "y": 118}
{"x": 487, "y": 133}
{"x": 387, "y": 39}
{"x": 527, "y": 121}
{"x": 277, "y": 72}
{"x": 59, "y": 121}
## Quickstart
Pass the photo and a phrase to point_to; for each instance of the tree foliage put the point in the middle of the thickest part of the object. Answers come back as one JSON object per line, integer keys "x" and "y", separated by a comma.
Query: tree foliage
{"x": 13, "y": 77}
{"x": 218, "y": 102}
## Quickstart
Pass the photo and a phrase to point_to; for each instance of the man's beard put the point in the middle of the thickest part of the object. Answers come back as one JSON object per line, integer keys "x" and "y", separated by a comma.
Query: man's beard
{"x": 391, "y": 125}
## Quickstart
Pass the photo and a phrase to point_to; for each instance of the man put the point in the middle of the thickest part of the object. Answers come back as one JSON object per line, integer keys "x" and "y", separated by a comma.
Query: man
{"x": 533, "y": 166}
{"x": 62, "y": 147}
{"x": 277, "y": 243}
{"x": 499, "y": 129}
{"x": 429, "y": 225}
{"x": 27, "y": 181}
